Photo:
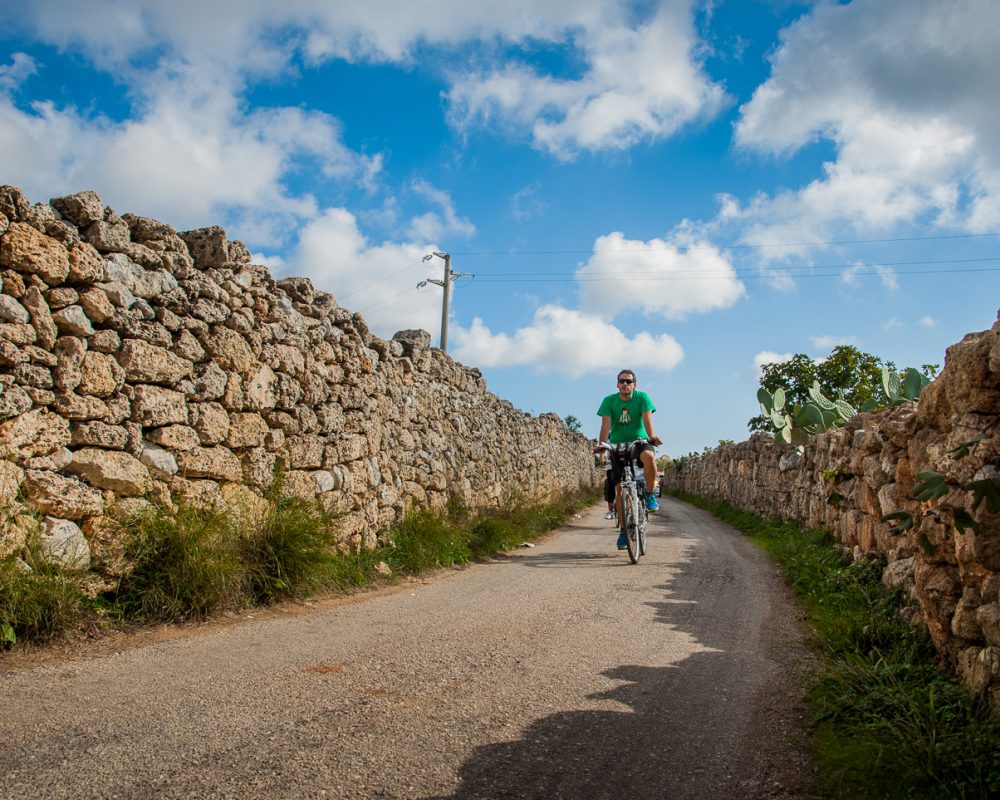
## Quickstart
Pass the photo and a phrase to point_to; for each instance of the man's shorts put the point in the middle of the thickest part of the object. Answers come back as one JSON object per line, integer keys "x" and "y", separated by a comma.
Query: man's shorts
{"x": 617, "y": 464}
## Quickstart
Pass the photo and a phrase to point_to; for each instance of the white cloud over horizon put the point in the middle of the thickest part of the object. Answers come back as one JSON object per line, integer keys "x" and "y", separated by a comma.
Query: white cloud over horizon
{"x": 567, "y": 341}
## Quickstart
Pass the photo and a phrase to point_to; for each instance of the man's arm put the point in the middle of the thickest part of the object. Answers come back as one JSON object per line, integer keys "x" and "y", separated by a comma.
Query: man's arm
{"x": 647, "y": 423}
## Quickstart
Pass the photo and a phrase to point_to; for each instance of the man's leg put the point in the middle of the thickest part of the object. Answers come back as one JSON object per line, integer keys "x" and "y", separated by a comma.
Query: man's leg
{"x": 649, "y": 473}
{"x": 648, "y": 469}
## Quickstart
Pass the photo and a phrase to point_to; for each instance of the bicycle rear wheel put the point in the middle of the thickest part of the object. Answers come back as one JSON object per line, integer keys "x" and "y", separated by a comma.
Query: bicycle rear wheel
{"x": 630, "y": 512}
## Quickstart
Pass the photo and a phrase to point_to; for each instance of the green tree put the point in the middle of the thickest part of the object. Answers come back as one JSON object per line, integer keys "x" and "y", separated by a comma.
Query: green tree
{"x": 847, "y": 373}
{"x": 573, "y": 424}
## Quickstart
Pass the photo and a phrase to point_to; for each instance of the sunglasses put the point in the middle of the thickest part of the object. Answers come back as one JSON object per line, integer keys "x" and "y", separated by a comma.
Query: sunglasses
{"x": 625, "y": 380}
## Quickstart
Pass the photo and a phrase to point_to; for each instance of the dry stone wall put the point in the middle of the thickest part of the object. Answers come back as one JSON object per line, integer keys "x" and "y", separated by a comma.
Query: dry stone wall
{"x": 139, "y": 364}
{"x": 846, "y": 480}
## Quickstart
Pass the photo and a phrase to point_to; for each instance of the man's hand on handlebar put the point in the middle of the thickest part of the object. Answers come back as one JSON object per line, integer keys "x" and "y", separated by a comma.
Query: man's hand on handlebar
{"x": 655, "y": 440}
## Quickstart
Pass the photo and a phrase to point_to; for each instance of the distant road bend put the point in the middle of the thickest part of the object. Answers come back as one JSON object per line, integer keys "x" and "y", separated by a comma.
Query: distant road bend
{"x": 559, "y": 671}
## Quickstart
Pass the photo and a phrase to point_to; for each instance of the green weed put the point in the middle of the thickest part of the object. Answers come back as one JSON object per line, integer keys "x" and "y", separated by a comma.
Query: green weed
{"x": 289, "y": 550}
{"x": 426, "y": 540}
{"x": 39, "y": 604}
{"x": 184, "y": 565}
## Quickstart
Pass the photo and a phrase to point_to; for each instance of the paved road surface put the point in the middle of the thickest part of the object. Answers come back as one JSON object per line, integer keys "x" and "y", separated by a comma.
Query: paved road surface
{"x": 560, "y": 671}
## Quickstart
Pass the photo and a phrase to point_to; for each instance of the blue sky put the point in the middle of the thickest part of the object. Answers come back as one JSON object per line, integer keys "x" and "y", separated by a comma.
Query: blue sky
{"x": 684, "y": 188}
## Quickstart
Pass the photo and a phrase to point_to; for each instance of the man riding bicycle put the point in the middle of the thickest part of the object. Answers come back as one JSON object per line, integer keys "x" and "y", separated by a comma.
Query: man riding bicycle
{"x": 627, "y": 416}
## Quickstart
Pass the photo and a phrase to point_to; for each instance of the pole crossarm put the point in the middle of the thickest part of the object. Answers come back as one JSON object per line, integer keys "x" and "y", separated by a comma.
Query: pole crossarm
{"x": 445, "y": 283}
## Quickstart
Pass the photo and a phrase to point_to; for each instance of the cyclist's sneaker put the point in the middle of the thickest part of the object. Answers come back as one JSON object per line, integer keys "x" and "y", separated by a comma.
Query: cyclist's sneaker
{"x": 621, "y": 540}
{"x": 609, "y": 515}
{"x": 651, "y": 503}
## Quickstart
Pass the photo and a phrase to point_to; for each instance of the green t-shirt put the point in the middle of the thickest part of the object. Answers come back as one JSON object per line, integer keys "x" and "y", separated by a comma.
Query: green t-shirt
{"x": 626, "y": 416}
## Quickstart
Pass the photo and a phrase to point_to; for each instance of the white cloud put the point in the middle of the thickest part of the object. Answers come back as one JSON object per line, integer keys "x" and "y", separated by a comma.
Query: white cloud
{"x": 22, "y": 66}
{"x": 379, "y": 280}
{"x": 769, "y": 357}
{"x": 436, "y": 225}
{"x": 641, "y": 79}
{"x": 640, "y": 83}
{"x": 887, "y": 275}
{"x": 892, "y": 324}
{"x": 849, "y": 274}
{"x": 191, "y": 156}
{"x": 898, "y": 87}
{"x": 656, "y": 277}
{"x": 525, "y": 203}
{"x": 928, "y": 322}
{"x": 829, "y": 342}
{"x": 567, "y": 341}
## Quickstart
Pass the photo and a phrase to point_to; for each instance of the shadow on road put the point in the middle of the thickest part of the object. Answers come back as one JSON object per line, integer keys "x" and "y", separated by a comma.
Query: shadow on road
{"x": 651, "y": 750}
{"x": 683, "y": 726}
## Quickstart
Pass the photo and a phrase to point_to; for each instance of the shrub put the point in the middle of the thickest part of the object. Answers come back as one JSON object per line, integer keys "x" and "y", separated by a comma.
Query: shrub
{"x": 39, "y": 603}
{"x": 289, "y": 550}
{"x": 426, "y": 540}
{"x": 184, "y": 565}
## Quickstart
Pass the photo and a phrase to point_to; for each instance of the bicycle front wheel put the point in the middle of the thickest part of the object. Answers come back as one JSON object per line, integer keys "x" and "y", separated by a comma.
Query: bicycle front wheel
{"x": 630, "y": 512}
{"x": 643, "y": 527}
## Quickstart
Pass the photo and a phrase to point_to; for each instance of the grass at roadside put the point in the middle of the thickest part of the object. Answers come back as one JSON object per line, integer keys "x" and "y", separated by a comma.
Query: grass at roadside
{"x": 194, "y": 562}
{"x": 886, "y": 722}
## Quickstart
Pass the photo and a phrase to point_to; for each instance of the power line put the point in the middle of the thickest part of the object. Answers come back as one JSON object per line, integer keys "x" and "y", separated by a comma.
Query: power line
{"x": 608, "y": 277}
{"x": 794, "y": 271}
{"x": 731, "y": 246}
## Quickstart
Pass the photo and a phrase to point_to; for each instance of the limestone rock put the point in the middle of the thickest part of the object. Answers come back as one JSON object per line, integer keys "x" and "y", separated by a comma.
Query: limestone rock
{"x": 85, "y": 264}
{"x": 13, "y": 311}
{"x": 146, "y": 363}
{"x": 13, "y": 401}
{"x": 41, "y": 318}
{"x": 35, "y": 433}
{"x": 246, "y": 430}
{"x": 217, "y": 463}
{"x": 155, "y": 406}
{"x": 207, "y": 246}
{"x": 82, "y": 209}
{"x": 27, "y": 250}
{"x": 110, "y": 469}
{"x": 64, "y": 544}
{"x": 229, "y": 349}
{"x": 72, "y": 321}
{"x": 96, "y": 305}
{"x": 159, "y": 461}
{"x": 143, "y": 283}
{"x": 55, "y": 494}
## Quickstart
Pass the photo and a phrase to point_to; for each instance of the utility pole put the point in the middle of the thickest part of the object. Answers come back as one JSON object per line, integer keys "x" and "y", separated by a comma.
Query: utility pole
{"x": 445, "y": 284}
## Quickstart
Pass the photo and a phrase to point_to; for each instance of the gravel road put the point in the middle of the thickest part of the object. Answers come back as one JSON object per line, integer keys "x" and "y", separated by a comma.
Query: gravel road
{"x": 559, "y": 671}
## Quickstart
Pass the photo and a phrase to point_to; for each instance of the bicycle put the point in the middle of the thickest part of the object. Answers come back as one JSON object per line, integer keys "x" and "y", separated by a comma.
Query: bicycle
{"x": 633, "y": 496}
